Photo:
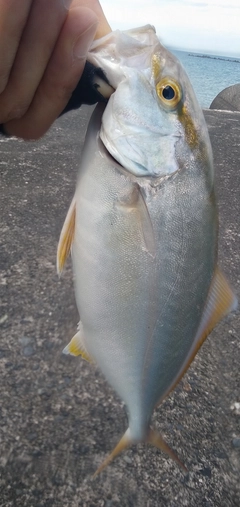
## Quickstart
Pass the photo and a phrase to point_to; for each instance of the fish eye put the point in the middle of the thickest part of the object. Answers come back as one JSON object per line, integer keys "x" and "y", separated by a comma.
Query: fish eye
{"x": 169, "y": 92}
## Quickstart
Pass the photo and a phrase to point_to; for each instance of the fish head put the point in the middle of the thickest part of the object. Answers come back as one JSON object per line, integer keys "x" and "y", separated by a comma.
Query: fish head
{"x": 153, "y": 124}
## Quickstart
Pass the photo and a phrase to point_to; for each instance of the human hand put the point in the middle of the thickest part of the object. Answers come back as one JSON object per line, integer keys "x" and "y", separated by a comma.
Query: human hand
{"x": 43, "y": 48}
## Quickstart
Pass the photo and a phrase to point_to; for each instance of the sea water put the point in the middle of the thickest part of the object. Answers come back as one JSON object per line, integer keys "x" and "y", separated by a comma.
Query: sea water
{"x": 209, "y": 74}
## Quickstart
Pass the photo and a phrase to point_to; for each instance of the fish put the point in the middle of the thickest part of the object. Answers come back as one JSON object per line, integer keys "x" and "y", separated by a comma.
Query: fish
{"x": 142, "y": 230}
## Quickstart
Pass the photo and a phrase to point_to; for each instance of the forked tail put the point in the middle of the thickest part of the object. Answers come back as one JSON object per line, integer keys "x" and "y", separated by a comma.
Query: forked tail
{"x": 152, "y": 437}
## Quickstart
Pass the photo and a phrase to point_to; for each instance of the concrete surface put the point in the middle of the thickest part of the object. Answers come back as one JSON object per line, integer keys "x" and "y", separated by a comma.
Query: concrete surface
{"x": 58, "y": 417}
{"x": 228, "y": 99}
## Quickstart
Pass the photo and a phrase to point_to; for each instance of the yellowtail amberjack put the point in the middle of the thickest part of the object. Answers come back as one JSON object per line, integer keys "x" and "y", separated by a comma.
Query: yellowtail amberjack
{"x": 142, "y": 229}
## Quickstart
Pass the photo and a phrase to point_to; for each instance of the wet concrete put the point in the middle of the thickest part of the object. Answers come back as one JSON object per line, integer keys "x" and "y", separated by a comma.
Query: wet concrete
{"x": 59, "y": 418}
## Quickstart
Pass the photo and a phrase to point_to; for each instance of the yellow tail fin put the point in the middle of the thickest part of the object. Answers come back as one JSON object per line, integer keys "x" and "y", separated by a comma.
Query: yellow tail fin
{"x": 152, "y": 438}
{"x": 123, "y": 444}
{"x": 156, "y": 440}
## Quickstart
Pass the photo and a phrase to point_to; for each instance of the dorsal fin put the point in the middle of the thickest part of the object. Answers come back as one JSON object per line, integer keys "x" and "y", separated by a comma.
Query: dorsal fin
{"x": 221, "y": 301}
{"x": 66, "y": 237}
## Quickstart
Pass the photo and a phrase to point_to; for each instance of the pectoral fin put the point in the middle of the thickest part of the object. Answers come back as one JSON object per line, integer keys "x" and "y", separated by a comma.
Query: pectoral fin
{"x": 66, "y": 237}
{"x": 134, "y": 202}
{"x": 77, "y": 347}
{"x": 221, "y": 301}
{"x": 146, "y": 226}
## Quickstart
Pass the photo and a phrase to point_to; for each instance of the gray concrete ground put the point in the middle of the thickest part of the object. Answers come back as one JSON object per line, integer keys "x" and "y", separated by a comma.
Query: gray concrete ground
{"x": 59, "y": 418}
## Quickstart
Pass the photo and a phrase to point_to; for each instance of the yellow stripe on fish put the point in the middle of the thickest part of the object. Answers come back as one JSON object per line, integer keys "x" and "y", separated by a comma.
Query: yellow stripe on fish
{"x": 192, "y": 136}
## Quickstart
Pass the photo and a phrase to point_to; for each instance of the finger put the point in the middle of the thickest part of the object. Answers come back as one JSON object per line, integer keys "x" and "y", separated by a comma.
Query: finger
{"x": 13, "y": 17}
{"x": 37, "y": 43}
{"x": 103, "y": 26}
{"x": 61, "y": 76}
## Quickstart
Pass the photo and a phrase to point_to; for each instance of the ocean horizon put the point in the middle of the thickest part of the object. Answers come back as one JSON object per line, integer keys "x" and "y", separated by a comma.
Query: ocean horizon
{"x": 209, "y": 73}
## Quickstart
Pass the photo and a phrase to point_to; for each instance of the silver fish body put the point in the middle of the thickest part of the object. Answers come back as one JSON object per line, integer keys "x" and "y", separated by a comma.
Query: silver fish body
{"x": 143, "y": 255}
{"x": 144, "y": 247}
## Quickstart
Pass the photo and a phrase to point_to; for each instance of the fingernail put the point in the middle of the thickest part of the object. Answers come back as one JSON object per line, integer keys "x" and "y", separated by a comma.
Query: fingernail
{"x": 84, "y": 41}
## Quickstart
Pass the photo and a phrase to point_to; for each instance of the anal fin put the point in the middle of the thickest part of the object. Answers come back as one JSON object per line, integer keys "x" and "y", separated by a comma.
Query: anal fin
{"x": 66, "y": 237}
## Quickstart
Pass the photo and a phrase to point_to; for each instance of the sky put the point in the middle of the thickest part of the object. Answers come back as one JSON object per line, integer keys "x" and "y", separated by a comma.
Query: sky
{"x": 208, "y": 26}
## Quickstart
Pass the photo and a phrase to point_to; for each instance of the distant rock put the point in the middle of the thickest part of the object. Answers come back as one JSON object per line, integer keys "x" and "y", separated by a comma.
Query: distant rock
{"x": 228, "y": 99}
{"x": 223, "y": 58}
